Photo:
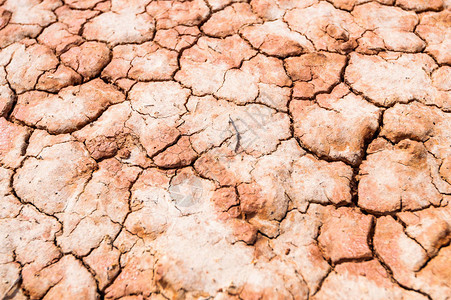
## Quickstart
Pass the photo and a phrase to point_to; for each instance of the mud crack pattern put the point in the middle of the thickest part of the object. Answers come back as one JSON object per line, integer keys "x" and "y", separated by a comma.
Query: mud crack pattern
{"x": 225, "y": 149}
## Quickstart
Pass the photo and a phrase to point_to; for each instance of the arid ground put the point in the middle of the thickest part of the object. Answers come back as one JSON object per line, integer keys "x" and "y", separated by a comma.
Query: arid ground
{"x": 225, "y": 149}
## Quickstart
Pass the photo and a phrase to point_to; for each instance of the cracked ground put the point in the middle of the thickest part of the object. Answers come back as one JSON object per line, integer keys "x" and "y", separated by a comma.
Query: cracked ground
{"x": 225, "y": 149}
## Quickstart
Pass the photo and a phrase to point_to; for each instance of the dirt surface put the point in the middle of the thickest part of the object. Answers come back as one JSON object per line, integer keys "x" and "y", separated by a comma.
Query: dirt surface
{"x": 225, "y": 149}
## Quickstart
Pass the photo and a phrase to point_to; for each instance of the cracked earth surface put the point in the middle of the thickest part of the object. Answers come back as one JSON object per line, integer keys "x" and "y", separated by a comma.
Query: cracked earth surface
{"x": 225, "y": 149}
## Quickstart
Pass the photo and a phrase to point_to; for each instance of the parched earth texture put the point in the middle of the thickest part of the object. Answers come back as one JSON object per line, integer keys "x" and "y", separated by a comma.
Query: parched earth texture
{"x": 225, "y": 149}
